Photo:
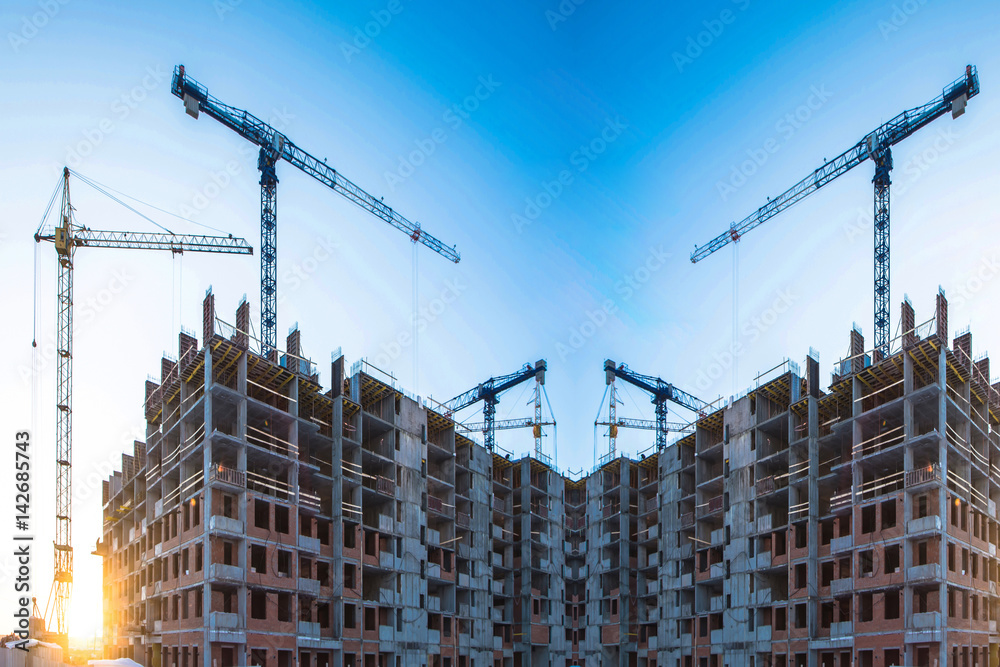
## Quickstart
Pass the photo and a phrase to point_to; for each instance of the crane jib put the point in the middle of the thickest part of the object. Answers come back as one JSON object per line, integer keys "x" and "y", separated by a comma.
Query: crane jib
{"x": 874, "y": 146}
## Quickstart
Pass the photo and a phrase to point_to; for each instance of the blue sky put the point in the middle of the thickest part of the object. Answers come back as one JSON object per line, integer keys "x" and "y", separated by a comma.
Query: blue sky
{"x": 593, "y": 146}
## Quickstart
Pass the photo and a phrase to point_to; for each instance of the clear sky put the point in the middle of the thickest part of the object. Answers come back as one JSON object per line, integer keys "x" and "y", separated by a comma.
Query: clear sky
{"x": 574, "y": 152}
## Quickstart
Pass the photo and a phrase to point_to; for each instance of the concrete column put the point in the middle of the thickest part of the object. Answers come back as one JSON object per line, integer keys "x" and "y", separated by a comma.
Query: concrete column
{"x": 942, "y": 496}
{"x": 206, "y": 510}
{"x": 812, "y": 569}
{"x": 909, "y": 656}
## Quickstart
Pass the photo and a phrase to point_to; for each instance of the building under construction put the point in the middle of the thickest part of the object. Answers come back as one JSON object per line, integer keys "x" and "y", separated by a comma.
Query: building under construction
{"x": 268, "y": 521}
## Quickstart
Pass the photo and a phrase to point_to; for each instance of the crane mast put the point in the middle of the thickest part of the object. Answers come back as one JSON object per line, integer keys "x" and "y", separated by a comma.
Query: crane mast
{"x": 615, "y": 423}
{"x": 877, "y": 147}
{"x": 275, "y": 146}
{"x": 67, "y": 237}
{"x": 659, "y": 390}
{"x": 489, "y": 393}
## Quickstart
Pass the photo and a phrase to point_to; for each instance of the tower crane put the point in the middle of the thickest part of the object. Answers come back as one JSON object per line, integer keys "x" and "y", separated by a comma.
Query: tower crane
{"x": 660, "y": 391}
{"x": 67, "y": 236}
{"x": 489, "y": 393}
{"x": 275, "y": 146}
{"x": 876, "y": 147}
{"x": 534, "y": 423}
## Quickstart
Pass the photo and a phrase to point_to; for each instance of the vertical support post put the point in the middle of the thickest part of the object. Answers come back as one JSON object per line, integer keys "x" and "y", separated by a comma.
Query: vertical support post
{"x": 883, "y": 164}
{"x": 268, "y": 249}
{"x": 62, "y": 581}
{"x": 661, "y": 423}
{"x": 489, "y": 416}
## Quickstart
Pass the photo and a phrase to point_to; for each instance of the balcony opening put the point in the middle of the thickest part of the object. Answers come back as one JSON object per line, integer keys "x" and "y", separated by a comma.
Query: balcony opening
{"x": 891, "y": 607}
{"x": 284, "y": 607}
{"x": 258, "y": 559}
{"x": 261, "y": 514}
{"x": 350, "y": 538}
{"x": 284, "y": 563}
{"x": 826, "y": 573}
{"x": 868, "y": 519}
{"x": 866, "y": 602}
{"x": 281, "y": 519}
{"x": 921, "y": 506}
{"x": 889, "y": 514}
{"x": 779, "y": 543}
{"x": 826, "y": 532}
{"x": 866, "y": 563}
{"x": 350, "y": 616}
{"x": 258, "y": 605}
{"x": 323, "y": 573}
{"x": 892, "y": 559}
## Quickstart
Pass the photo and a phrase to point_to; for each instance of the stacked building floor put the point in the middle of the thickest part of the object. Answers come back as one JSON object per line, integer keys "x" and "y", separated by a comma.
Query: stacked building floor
{"x": 269, "y": 521}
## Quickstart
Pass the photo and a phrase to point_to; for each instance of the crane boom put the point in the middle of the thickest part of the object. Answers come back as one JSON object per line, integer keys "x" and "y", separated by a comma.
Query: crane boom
{"x": 887, "y": 135}
{"x": 275, "y": 146}
{"x": 178, "y": 243}
{"x": 659, "y": 390}
{"x": 67, "y": 237}
{"x": 876, "y": 146}
{"x": 645, "y": 424}
{"x": 489, "y": 391}
{"x": 503, "y": 424}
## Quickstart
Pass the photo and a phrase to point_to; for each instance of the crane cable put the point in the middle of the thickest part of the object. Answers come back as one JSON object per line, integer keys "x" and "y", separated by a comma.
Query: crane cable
{"x": 35, "y": 298}
{"x": 107, "y": 193}
{"x": 416, "y": 329}
{"x": 736, "y": 313}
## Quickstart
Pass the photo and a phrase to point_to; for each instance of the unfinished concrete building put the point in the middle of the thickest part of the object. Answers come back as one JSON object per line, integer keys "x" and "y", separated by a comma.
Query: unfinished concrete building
{"x": 853, "y": 526}
{"x": 269, "y": 522}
